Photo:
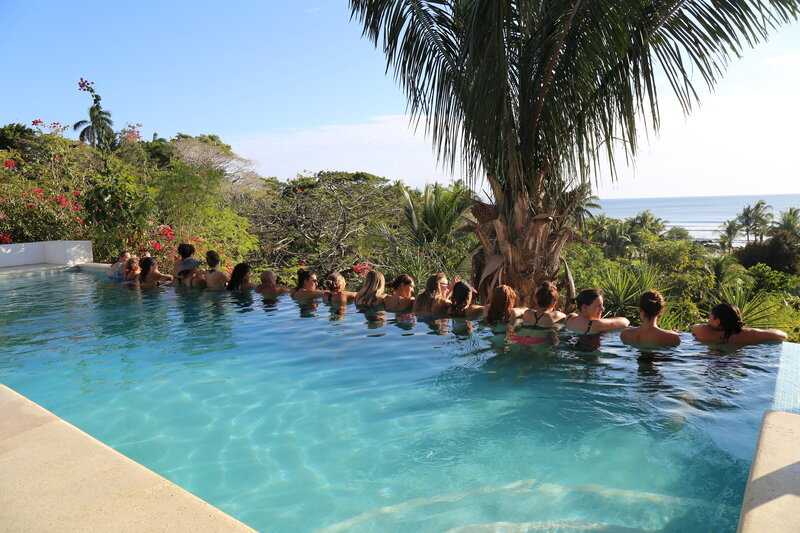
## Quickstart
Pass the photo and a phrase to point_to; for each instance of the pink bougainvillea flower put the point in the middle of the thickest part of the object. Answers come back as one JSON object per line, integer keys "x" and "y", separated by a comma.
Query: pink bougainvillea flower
{"x": 76, "y": 193}
{"x": 302, "y": 263}
{"x": 58, "y": 158}
{"x": 38, "y": 122}
{"x": 9, "y": 164}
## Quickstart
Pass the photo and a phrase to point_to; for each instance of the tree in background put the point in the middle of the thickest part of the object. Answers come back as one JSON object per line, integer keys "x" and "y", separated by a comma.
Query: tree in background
{"x": 98, "y": 131}
{"x": 530, "y": 95}
{"x": 789, "y": 221}
{"x": 728, "y": 233}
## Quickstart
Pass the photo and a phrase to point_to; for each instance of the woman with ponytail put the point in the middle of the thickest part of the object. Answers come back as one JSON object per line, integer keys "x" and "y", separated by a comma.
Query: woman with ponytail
{"x": 543, "y": 314}
{"x": 150, "y": 277}
{"x": 726, "y": 326}
{"x": 434, "y": 298}
{"x": 651, "y": 306}
{"x": 461, "y": 301}
{"x": 402, "y": 297}
{"x": 502, "y": 305}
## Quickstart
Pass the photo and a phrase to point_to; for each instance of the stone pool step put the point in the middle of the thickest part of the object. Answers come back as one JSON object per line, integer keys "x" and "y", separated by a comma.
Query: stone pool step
{"x": 54, "y": 477}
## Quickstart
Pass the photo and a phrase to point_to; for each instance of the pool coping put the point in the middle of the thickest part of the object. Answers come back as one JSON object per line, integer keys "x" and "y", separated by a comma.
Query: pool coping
{"x": 55, "y": 477}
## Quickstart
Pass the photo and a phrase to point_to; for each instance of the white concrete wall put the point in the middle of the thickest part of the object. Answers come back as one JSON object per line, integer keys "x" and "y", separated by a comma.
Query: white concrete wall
{"x": 53, "y": 252}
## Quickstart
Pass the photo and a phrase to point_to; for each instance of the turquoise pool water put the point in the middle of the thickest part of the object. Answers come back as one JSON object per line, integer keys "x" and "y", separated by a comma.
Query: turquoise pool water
{"x": 291, "y": 418}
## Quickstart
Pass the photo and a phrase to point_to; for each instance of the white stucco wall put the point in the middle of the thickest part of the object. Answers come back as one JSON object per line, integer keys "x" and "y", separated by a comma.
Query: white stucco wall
{"x": 53, "y": 252}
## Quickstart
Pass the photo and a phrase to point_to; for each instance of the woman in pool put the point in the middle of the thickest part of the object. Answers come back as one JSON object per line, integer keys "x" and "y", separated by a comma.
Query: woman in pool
{"x": 402, "y": 298}
{"x": 132, "y": 270}
{"x": 185, "y": 251}
{"x": 307, "y": 283}
{"x": 115, "y": 271}
{"x": 434, "y": 298}
{"x": 371, "y": 292}
{"x": 502, "y": 306}
{"x": 215, "y": 278}
{"x": 150, "y": 277}
{"x": 240, "y": 278}
{"x": 589, "y": 318}
{"x": 543, "y": 314}
{"x": 336, "y": 285}
{"x": 651, "y": 306}
{"x": 725, "y": 325}
{"x": 461, "y": 302}
{"x": 190, "y": 277}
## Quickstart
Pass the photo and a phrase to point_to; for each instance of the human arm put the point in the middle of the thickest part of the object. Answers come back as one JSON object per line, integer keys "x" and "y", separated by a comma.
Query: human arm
{"x": 617, "y": 322}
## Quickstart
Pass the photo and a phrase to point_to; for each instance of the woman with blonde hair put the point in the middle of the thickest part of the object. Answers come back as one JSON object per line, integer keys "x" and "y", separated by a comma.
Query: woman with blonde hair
{"x": 543, "y": 314}
{"x": 371, "y": 292}
{"x": 336, "y": 284}
{"x": 502, "y": 305}
{"x": 435, "y": 296}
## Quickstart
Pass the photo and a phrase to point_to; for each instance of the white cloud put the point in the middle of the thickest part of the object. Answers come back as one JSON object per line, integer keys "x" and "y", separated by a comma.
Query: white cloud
{"x": 386, "y": 146}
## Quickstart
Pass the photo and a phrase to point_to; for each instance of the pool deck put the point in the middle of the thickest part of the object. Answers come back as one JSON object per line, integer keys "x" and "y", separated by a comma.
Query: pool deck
{"x": 55, "y": 477}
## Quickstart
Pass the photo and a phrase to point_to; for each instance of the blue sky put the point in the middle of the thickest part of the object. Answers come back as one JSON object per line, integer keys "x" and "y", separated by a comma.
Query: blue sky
{"x": 293, "y": 86}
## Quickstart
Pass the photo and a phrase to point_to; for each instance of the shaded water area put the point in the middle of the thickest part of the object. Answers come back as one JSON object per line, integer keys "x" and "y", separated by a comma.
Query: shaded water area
{"x": 295, "y": 418}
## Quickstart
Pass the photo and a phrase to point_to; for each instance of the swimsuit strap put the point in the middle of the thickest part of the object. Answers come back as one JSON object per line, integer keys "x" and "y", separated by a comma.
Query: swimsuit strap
{"x": 538, "y": 317}
{"x": 588, "y": 327}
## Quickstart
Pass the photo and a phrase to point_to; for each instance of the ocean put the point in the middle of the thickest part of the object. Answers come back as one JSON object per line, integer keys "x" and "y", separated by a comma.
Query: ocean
{"x": 701, "y": 215}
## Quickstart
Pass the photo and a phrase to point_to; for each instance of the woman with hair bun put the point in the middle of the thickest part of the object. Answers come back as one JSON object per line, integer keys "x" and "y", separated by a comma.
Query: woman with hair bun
{"x": 307, "y": 283}
{"x": 336, "y": 284}
{"x": 215, "y": 278}
{"x": 651, "y": 306}
{"x": 725, "y": 325}
{"x": 402, "y": 297}
{"x": 543, "y": 314}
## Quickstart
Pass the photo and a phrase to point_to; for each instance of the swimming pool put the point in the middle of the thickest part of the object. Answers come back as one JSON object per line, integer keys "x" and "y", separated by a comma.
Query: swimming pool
{"x": 291, "y": 418}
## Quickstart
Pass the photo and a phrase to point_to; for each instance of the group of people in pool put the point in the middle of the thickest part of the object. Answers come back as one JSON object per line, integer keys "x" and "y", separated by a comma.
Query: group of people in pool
{"x": 454, "y": 299}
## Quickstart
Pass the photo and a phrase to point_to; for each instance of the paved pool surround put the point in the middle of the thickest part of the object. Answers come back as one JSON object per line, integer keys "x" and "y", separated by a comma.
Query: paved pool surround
{"x": 55, "y": 477}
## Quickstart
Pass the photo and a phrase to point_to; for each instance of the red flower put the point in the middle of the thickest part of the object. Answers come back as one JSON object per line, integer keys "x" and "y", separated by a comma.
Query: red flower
{"x": 5, "y": 238}
{"x": 302, "y": 263}
{"x": 155, "y": 245}
{"x": 62, "y": 200}
{"x": 58, "y": 158}
{"x": 38, "y": 122}
{"x": 9, "y": 164}
{"x": 76, "y": 193}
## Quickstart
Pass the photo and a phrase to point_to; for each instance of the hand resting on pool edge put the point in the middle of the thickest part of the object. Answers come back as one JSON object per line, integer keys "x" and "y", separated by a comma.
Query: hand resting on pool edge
{"x": 725, "y": 325}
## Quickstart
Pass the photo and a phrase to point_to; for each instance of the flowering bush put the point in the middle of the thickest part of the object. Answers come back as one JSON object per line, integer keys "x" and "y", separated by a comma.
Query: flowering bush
{"x": 5, "y": 238}
{"x": 361, "y": 269}
{"x": 31, "y": 215}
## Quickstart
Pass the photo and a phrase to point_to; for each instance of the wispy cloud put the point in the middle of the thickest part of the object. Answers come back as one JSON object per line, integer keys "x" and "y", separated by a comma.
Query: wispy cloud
{"x": 386, "y": 146}
{"x": 789, "y": 59}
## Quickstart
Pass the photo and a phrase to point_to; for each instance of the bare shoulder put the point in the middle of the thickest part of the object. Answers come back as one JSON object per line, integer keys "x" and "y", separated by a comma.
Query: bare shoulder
{"x": 759, "y": 335}
{"x": 704, "y": 332}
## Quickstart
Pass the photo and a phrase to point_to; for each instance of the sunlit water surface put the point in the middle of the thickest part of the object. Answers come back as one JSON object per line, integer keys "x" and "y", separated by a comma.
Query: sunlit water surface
{"x": 292, "y": 418}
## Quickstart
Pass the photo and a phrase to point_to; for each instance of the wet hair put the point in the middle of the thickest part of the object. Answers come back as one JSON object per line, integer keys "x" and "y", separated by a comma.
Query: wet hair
{"x": 501, "y": 303}
{"x": 370, "y": 293}
{"x": 651, "y": 303}
{"x": 212, "y": 258}
{"x": 237, "y": 276}
{"x": 459, "y": 298}
{"x": 587, "y": 297}
{"x": 122, "y": 254}
{"x": 146, "y": 264}
{"x": 335, "y": 282}
{"x": 185, "y": 250}
{"x": 730, "y": 319}
{"x": 402, "y": 279}
{"x": 431, "y": 293}
{"x": 546, "y": 295}
{"x": 132, "y": 262}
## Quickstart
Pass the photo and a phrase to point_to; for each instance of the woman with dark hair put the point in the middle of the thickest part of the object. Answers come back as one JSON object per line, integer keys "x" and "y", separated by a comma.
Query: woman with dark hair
{"x": 543, "y": 314}
{"x": 725, "y": 325}
{"x": 240, "y": 278}
{"x": 402, "y": 297}
{"x": 589, "y": 318}
{"x": 307, "y": 283}
{"x": 215, "y": 278}
{"x": 150, "y": 277}
{"x": 190, "y": 277}
{"x": 371, "y": 292}
{"x": 651, "y": 306}
{"x": 434, "y": 298}
{"x": 185, "y": 251}
{"x": 461, "y": 301}
{"x": 502, "y": 306}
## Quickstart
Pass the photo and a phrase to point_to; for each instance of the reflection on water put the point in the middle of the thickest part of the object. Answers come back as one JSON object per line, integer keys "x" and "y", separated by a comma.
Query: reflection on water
{"x": 306, "y": 416}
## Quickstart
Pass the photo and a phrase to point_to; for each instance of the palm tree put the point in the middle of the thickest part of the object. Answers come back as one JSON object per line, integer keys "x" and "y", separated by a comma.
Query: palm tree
{"x": 618, "y": 242}
{"x": 434, "y": 219}
{"x": 728, "y": 233}
{"x": 647, "y": 221}
{"x": 761, "y": 219}
{"x": 528, "y": 92}
{"x": 98, "y": 130}
{"x": 788, "y": 221}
